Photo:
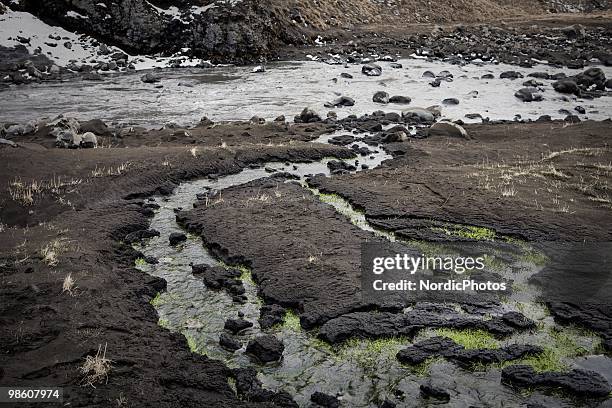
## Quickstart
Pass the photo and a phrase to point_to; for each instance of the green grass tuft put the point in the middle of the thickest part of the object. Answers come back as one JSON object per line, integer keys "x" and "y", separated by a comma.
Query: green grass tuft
{"x": 157, "y": 300}
{"x": 291, "y": 321}
{"x": 469, "y": 338}
{"x": 369, "y": 354}
{"x": 141, "y": 262}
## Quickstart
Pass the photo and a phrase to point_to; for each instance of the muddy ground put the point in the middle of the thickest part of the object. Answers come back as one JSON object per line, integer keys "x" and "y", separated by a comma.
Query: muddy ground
{"x": 532, "y": 181}
{"x": 76, "y": 225}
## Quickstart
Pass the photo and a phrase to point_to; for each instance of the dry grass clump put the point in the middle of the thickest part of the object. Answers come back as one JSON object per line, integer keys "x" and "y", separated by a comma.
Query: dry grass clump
{"x": 95, "y": 369}
{"x": 50, "y": 252}
{"x": 110, "y": 171}
{"x": 26, "y": 192}
{"x": 68, "y": 284}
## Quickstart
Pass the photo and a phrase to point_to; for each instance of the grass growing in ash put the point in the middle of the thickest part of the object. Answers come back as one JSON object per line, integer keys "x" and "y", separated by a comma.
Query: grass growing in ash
{"x": 369, "y": 354}
{"x": 470, "y": 338}
{"x": 291, "y": 321}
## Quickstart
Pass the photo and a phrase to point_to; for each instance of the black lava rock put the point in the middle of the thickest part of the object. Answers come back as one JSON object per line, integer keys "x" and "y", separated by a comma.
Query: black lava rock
{"x": 176, "y": 238}
{"x": 266, "y": 348}
{"x": 325, "y": 400}
{"x": 235, "y": 326}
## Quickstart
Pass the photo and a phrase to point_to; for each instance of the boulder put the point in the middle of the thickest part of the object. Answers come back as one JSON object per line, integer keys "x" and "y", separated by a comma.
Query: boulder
{"x": 341, "y": 101}
{"x": 580, "y": 383}
{"x": 266, "y": 348}
{"x": 308, "y": 116}
{"x": 229, "y": 342}
{"x": 149, "y": 78}
{"x": 176, "y": 238}
{"x": 528, "y": 95}
{"x": 448, "y": 129}
{"x": 381, "y": 97}
{"x": 371, "y": 70}
{"x": 400, "y": 99}
{"x": 235, "y": 326}
{"x": 89, "y": 140}
{"x": 566, "y": 86}
{"x": 510, "y": 75}
{"x": 325, "y": 400}
{"x": 270, "y": 315}
{"x": 418, "y": 114}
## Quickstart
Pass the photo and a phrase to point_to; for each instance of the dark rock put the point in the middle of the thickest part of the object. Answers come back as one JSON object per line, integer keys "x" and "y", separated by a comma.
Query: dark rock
{"x": 396, "y": 65}
{"x": 216, "y": 277}
{"x": 381, "y": 97}
{"x": 149, "y": 78}
{"x": 270, "y": 315}
{"x": 566, "y": 86}
{"x": 137, "y": 236}
{"x": 518, "y": 320}
{"x": 325, "y": 400}
{"x": 488, "y": 76}
{"x": 539, "y": 75}
{"x": 428, "y": 74}
{"x": 510, "y": 75}
{"x": 235, "y": 326}
{"x": 338, "y": 166}
{"x": 346, "y": 75}
{"x": 428, "y": 390}
{"x": 308, "y": 116}
{"x": 580, "y": 110}
{"x": 528, "y": 95}
{"x": 450, "y": 101}
{"x": 228, "y": 342}
{"x": 176, "y": 238}
{"x": 342, "y": 140}
{"x": 580, "y": 383}
{"x": 341, "y": 101}
{"x": 448, "y": 129}
{"x": 250, "y": 388}
{"x": 371, "y": 70}
{"x": 400, "y": 99}
{"x": 266, "y": 348}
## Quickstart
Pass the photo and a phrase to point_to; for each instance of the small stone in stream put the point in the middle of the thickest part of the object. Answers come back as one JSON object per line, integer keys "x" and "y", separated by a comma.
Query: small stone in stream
{"x": 308, "y": 116}
{"x": 539, "y": 75}
{"x": 151, "y": 260}
{"x": 332, "y": 115}
{"x": 448, "y": 129}
{"x": 565, "y": 112}
{"x": 338, "y": 166}
{"x": 559, "y": 76}
{"x": 280, "y": 118}
{"x": 89, "y": 140}
{"x": 435, "y": 83}
{"x": 341, "y": 101}
{"x": 396, "y": 65}
{"x": 544, "y": 118}
{"x": 580, "y": 383}
{"x": 249, "y": 388}
{"x": 149, "y": 78}
{"x": 580, "y": 110}
{"x": 473, "y": 115}
{"x": 428, "y": 390}
{"x": 229, "y": 342}
{"x": 139, "y": 235}
{"x": 266, "y": 348}
{"x": 346, "y": 75}
{"x": 270, "y": 315}
{"x": 176, "y": 238}
{"x": 510, "y": 75}
{"x": 381, "y": 97}
{"x": 566, "y": 86}
{"x": 400, "y": 99}
{"x": 325, "y": 400}
{"x": 528, "y": 95}
{"x": 365, "y": 166}
{"x": 450, "y": 101}
{"x": 371, "y": 70}
{"x": 488, "y": 76}
{"x": 235, "y": 326}
{"x": 428, "y": 74}
{"x": 532, "y": 83}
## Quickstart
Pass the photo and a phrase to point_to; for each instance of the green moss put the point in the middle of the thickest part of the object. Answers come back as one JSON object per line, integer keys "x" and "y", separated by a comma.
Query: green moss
{"x": 467, "y": 231}
{"x": 157, "y": 300}
{"x": 291, "y": 321}
{"x": 191, "y": 342}
{"x": 165, "y": 323}
{"x": 141, "y": 262}
{"x": 469, "y": 338}
{"x": 368, "y": 354}
{"x": 422, "y": 370}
